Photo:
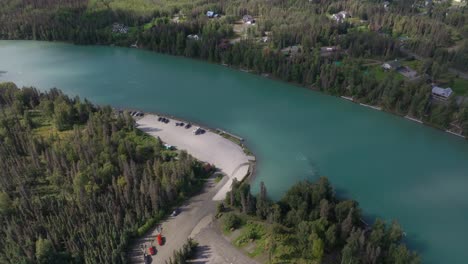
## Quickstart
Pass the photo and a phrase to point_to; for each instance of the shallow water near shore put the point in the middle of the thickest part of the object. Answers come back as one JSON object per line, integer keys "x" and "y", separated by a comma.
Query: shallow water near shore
{"x": 394, "y": 167}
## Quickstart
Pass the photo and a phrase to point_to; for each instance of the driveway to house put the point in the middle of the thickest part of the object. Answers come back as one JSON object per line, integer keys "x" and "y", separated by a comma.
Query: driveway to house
{"x": 197, "y": 213}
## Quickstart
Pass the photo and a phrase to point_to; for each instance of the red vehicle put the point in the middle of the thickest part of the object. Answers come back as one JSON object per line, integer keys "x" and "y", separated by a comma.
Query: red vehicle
{"x": 152, "y": 250}
{"x": 160, "y": 240}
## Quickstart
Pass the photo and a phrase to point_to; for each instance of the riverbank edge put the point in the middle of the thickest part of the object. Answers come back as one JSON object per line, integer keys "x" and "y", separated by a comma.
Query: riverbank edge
{"x": 227, "y": 135}
{"x": 308, "y": 87}
{"x": 264, "y": 75}
{"x": 223, "y": 133}
{"x": 239, "y": 141}
{"x": 409, "y": 117}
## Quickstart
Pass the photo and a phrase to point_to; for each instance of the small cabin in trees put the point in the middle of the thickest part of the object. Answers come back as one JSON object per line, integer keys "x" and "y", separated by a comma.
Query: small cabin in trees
{"x": 392, "y": 65}
{"x": 248, "y": 19}
{"x": 211, "y": 14}
{"x": 193, "y": 37}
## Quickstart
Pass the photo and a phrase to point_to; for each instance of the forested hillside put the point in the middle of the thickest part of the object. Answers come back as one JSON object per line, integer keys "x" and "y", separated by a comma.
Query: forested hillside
{"x": 77, "y": 180}
{"x": 311, "y": 225}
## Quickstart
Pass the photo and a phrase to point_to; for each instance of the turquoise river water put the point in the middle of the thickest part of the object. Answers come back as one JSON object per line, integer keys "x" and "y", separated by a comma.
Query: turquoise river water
{"x": 395, "y": 168}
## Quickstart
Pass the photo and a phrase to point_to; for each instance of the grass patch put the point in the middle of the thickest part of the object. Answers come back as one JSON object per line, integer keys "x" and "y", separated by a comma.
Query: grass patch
{"x": 232, "y": 221}
{"x": 413, "y": 64}
{"x": 380, "y": 74}
{"x": 149, "y": 224}
{"x": 218, "y": 178}
{"x": 44, "y": 126}
{"x": 251, "y": 232}
{"x": 460, "y": 86}
{"x": 231, "y": 138}
{"x": 235, "y": 140}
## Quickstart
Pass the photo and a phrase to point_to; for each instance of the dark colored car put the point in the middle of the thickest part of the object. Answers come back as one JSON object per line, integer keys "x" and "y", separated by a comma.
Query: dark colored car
{"x": 188, "y": 126}
{"x": 148, "y": 259}
{"x": 175, "y": 212}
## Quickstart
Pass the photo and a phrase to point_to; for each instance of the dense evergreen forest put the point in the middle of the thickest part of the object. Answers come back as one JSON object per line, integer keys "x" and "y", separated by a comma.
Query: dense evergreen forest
{"x": 77, "y": 180}
{"x": 293, "y": 40}
{"x": 311, "y": 225}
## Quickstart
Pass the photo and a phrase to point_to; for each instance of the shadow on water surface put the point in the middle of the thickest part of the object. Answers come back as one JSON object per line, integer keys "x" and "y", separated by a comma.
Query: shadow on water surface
{"x": 342, "y": 194}
{"x": 416, "y": 243}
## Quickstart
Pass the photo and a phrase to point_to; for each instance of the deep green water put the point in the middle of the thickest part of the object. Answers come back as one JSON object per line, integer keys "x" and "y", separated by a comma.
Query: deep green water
{"x": 394, "y": 167}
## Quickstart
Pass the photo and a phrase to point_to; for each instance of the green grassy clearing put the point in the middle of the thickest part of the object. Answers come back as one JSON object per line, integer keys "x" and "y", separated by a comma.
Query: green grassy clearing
{"x": 380, "y": 74}
{"x": 253, "y": 235}
{"x": 460, "y": 86}
{"x": 413, "y": 64}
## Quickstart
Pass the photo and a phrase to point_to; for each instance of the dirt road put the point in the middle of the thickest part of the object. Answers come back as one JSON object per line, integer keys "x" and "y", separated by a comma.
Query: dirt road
{"x": 195, "y": 216}
{"x": 213, "y": 248}
{"x": 176, "y": 230}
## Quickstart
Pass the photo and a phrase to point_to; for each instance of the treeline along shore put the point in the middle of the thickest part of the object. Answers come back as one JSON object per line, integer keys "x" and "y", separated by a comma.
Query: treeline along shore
{"x": 78, "y": 181}
{"x": 309, "y": 224}
{"x": 337, "y": 47}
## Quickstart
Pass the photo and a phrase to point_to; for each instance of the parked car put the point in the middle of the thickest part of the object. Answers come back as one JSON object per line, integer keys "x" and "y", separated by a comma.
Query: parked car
{"x": 188, "y": 126}
{"x": 175, "y": 212}
{"x": 147, "y": 259}
{"x": 160, "y": 240}
{"x": 152, "y": 250}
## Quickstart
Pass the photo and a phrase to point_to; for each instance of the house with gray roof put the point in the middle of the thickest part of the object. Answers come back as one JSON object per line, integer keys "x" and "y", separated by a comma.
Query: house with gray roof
{"x": 441, "y": 93}
{"x": 340, "y": 17}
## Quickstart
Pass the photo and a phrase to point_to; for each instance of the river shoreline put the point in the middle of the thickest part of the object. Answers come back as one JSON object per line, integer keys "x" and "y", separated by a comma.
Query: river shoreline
{"x": 226, "y": 153}
{"x": 296, "y": 133}
{"x": 259, "y": 74}
{"x": 231, "y": 137}
{"x": 230, "y": 156}
{"x": 312, "y": 87}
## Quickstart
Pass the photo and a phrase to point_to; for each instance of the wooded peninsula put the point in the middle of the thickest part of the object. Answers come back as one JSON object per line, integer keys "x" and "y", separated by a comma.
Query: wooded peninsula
{"x": 78, "y": 181}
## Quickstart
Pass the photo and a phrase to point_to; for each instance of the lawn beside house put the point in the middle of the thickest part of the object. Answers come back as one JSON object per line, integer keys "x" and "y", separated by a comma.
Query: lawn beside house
{"x": 460, "y": 86}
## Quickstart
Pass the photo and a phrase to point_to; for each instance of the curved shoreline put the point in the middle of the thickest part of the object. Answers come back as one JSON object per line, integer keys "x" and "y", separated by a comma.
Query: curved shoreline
{"x": 231, "y": 157}
{"x": 311, "y": 87}
{"x": 197, "y": 213}
{"x": 259, "y": 74}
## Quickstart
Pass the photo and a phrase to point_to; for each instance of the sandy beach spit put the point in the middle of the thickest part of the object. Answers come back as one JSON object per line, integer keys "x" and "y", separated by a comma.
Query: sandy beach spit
{"x": 208, "y": 147}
